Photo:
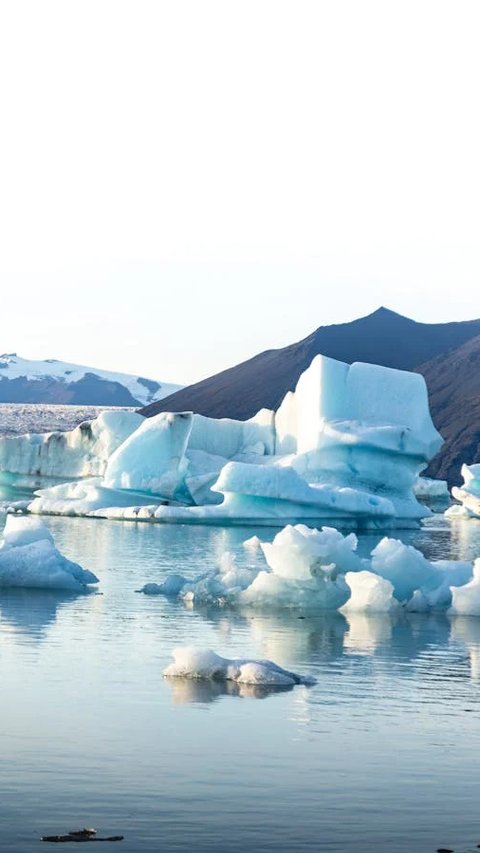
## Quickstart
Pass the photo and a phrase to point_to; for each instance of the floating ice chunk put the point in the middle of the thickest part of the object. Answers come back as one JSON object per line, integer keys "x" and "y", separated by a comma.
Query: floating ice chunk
{"x": 271, "y": 592}
{"x": 171, "y": 587}
{"x": 457, "y": 511}
{"x": 301, "y": 552}
{"x": 192, "y": 662}
{"x": 252, "y": 544}
{"x": 22, "y": 530}
{"x": 370, "y": 593}
{"x": 313, "y": 570}
{"x": 28, "y": 558}
{"x": 405, "y": 567}
{"x": 466, "y": 598}
{"x": 436, "y": 594}
{"x": 468, "y": 494}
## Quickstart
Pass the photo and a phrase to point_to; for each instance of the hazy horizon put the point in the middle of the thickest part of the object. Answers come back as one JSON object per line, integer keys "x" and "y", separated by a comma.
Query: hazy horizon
{"x": 185, "y": 185}
{"x": 225, "y": 366}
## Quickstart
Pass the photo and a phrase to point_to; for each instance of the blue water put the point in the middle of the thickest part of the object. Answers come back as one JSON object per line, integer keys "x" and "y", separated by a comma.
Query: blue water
{"x": 382, "y": 754}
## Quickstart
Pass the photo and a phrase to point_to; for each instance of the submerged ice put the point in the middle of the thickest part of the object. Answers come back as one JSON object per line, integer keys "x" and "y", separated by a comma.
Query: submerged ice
{"x": 346, "y": 446}
{"x": 315, "y": 570}
{"x": 29, "y": 559}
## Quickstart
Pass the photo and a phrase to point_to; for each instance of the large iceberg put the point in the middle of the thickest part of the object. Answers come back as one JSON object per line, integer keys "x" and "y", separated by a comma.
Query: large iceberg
{"x": 29, "y": 559}
{"x": 346, "y": 446}
{"x": 468, "y": 494}
{"x": 313, "y": 570}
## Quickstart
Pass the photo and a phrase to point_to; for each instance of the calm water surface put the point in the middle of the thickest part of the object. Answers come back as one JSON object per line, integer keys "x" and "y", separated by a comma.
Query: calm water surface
{"x": 382, "y": 754}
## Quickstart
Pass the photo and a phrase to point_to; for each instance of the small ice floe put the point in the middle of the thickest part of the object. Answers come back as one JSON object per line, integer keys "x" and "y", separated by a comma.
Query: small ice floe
{"x": 253, "y": 544}
{"x": 171, "y": 587}
{"x": 193, "y": 662}
{"x": 29, "y": 559}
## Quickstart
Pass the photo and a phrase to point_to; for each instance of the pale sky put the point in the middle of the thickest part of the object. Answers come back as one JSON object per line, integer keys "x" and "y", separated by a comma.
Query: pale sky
{"x": 184, "y": 184}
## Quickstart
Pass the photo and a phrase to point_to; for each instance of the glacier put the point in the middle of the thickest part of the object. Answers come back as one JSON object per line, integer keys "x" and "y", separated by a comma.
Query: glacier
{"x": 192, "y": 662}
{"x": 29, "y": 559}
{"x": 345, "y": 447}
{"x": 316, "y": 570}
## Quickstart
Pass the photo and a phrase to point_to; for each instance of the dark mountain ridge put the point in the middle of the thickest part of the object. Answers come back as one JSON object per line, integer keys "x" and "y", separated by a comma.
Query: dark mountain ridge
{"x": 383, "y": 337}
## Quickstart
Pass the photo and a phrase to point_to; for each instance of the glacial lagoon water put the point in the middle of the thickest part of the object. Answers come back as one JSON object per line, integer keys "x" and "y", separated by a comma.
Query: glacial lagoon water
{"x": 381, "y": 754}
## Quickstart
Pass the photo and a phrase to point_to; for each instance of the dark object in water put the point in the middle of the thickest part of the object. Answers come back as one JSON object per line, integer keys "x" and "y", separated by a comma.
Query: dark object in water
{"x": 444, "y": 850}
{"x": 80, "y": 835}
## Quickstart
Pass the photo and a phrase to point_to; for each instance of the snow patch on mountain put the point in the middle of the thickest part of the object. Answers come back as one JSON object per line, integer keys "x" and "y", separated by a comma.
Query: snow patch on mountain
{"x": 52, "y": 381}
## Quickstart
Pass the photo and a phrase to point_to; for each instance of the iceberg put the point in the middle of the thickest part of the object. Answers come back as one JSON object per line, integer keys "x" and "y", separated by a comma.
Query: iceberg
{"x": 346, "y": 447}
{"x": 319, "y": 570}
{"x": 468, "y": 494}
{"x": 192, "y": 662}
{"x": 29, "y": 559}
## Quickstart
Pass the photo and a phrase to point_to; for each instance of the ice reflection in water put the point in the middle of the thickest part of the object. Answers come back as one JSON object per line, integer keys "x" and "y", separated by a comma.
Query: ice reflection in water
{"x": 381, "y": 754}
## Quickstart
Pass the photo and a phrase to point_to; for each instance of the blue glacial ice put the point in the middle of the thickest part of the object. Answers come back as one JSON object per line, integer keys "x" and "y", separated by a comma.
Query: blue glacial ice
{"x": 345, "y": 447}
{"x": 29, "y": 559}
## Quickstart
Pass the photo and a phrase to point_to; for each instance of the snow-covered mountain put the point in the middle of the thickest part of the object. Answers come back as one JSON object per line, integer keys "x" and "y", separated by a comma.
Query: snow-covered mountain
{"x": 52, "y": 381}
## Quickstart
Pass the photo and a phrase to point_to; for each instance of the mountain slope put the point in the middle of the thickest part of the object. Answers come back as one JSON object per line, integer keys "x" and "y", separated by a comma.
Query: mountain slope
{"x": 52, "y": 381}
{"x": 383, "y": 337}
{"x": 453, "y": 381}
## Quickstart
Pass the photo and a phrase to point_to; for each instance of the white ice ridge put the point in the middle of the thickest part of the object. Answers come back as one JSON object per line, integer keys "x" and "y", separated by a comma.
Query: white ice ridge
{"x": 193, "y": 662}
{"x": 346, "y": 447}
{"x": 29, "y": 559}
{"x": 314, "y": 570}
{"x": 468, "y": 494}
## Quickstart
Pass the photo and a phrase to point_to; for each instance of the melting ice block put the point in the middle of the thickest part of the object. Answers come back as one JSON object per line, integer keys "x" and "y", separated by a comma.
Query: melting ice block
{"x": 192, "y": 662}
{"x": 29, "y": 559}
